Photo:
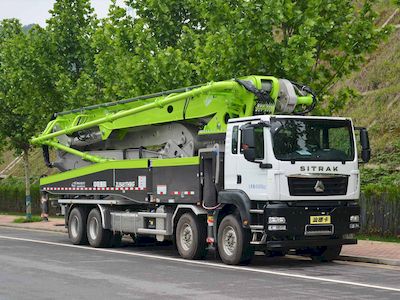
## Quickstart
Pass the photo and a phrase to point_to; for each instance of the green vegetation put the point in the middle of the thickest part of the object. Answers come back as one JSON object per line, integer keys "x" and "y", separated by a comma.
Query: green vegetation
{"x": 28, "y": 220}
{"x": 375, "y": 105}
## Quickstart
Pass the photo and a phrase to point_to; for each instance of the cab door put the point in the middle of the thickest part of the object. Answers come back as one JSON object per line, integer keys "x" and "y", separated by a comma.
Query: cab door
{"x": 250, "y": 177}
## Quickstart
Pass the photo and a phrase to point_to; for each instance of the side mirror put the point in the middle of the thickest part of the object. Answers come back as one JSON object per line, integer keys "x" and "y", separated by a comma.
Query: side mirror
{"x": 364, "y": 141}
{"x": 248, "y": 142}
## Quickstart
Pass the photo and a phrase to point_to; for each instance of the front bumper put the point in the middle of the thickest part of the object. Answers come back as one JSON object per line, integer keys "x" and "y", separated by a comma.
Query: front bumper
{"x": 300, "y": 233}
{"x": 301, "y": 244}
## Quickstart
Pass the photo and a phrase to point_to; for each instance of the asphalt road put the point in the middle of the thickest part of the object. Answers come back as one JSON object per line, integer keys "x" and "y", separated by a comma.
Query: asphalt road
{"x": 44, "y": 265}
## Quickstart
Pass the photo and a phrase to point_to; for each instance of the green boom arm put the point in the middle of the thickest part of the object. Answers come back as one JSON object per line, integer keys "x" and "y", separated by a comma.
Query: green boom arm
{"x": 215, "y": 102}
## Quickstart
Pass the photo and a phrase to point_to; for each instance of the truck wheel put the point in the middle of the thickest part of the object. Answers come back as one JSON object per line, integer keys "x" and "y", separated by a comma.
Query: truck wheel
{"x": 234, "y": 242}
{"x": 191, "y": 237}
{"x": 77, "y": 226}
{"x": 98, "y": 236}
{"x": 326, "y": 254}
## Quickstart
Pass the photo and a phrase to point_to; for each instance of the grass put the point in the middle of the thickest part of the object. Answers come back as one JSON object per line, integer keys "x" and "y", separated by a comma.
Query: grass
{"x": 25, "y": 220}
{"x": 391, "y": 239}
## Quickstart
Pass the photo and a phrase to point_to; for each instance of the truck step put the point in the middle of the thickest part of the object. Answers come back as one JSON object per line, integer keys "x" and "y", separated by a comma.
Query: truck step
{"x": 257, "y": 227}
{"x": 152, "y": 231}
{"x": 152, "y": 215}
{"x": 257, "y": 211}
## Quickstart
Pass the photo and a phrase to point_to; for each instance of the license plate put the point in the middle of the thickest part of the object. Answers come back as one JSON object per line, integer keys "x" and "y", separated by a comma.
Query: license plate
{"x": 320, "y": 219}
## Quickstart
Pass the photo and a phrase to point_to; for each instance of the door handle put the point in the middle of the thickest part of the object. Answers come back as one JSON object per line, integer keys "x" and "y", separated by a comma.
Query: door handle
{"x": 238, "y": 178}
{"x": 265, "y": 166}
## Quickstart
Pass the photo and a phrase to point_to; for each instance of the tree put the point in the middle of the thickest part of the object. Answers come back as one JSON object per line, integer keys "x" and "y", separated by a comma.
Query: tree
{"x": 131, "y": 61}
{"x": 43, "y": 71}
{"x": 27, "y": 89}
{"x": 70, "y": 29}
{"x": 315, "y": 41}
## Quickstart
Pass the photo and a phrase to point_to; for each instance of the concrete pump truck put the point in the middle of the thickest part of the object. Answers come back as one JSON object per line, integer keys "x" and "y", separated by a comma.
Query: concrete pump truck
{"x": 234, "y": 166}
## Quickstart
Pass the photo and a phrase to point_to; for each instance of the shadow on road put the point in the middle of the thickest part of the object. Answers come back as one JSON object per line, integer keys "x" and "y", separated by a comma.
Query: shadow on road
{"x": 260, "y": 259}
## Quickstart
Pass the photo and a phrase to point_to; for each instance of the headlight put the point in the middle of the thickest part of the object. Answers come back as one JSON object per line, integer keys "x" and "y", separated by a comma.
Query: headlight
{"x": 276, "y": 227}
{"x": 355, "y": 218}
{"x": 276, "y": 220}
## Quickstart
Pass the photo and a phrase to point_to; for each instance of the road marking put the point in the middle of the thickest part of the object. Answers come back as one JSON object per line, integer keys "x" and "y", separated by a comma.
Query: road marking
{"x": 208, "y": 264}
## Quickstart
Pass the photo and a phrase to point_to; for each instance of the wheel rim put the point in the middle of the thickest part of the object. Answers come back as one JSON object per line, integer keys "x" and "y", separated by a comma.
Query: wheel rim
{"x": 74, "y": 226}
{"x": 186, "y": 237}
{"x": 93, "y": 228}
{"x": 229, "y": 242}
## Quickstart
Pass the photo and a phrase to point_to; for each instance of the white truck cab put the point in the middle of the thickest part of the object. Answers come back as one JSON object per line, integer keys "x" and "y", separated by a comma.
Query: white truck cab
{"x": 302, "y": 178}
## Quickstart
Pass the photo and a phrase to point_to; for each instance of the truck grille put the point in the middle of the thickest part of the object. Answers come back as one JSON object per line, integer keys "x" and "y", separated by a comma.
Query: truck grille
{"x": 319, "y": 230}
{"x": 317, "y": 186}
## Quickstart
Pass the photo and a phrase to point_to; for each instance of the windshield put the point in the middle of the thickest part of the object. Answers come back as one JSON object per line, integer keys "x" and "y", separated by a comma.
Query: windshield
{"x": 312, "y": 139}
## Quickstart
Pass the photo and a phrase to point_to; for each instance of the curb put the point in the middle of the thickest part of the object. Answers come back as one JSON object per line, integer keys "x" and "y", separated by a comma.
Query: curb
{"x": 60, "y": 230}
{"x": 372, "y": 260}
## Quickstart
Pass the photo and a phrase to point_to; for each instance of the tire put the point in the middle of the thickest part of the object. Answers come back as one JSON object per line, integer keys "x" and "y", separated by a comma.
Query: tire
{"x": 191, "y": 237}
{"x": 77, "y": 226}
{"x": 98, "y": 237}
{"x": 326, "y": 254}
{"x": 234, "y": 242}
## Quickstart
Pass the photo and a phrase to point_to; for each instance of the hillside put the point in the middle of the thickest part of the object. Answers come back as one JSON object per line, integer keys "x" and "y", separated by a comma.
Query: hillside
{"x": 377, "y": 105}
{"x": 38, "y": 167}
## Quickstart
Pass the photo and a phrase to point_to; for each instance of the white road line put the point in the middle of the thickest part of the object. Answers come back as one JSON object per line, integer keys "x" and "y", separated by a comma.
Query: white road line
{"x": 208, "y": 264}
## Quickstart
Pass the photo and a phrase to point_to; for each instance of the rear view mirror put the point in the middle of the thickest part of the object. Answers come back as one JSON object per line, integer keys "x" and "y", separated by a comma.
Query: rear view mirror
{"x": 364, "y": 141}
{"x": 248, "y": 142}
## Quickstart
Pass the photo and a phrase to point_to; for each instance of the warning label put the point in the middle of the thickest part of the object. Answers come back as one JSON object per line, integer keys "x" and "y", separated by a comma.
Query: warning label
{"x": 142, "y": 182}
{"x": 161, "y": 189}
{"x": 99, "y": 184}
{"x": 124, "y": 184}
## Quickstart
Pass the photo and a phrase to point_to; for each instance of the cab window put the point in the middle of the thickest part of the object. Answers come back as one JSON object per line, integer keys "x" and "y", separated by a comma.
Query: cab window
{"x": 235, "y": 132}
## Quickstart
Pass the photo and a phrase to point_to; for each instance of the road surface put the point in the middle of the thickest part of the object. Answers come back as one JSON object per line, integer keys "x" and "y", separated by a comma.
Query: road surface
{"x": 44, "y": 265}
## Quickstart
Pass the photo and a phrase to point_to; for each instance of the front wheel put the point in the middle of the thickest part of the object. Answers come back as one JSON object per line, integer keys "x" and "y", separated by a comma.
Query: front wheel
{"x": 326, "y": 254}
{"x": 191, "y": 237}
{"x": 234, "y": 242}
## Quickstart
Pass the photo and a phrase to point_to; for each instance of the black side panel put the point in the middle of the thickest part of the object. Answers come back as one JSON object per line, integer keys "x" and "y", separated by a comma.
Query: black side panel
{"x": 128, "y": 183}
{"x": 211, "y": 185}
{"x": 180, "y": 184}
{"x": 167, "y": 184}
{"x": 209, "y": 190}
{"x": 239, "y": 199}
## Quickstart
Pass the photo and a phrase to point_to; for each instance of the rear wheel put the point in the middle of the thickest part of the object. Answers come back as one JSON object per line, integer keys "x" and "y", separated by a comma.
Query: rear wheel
{"x": 77, "y": 226}
{"x": 326, "y": 254}
{"x": 98, "y": 236}
{"x": 234, "y": 242}
{"x": 191, "y": 237}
